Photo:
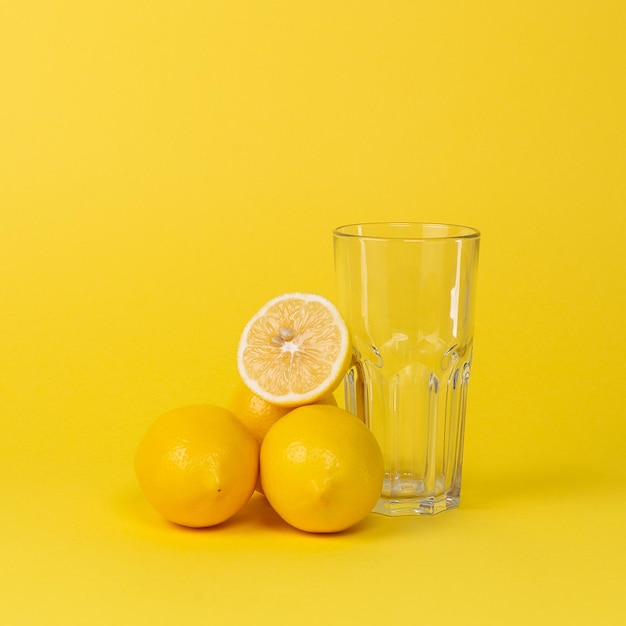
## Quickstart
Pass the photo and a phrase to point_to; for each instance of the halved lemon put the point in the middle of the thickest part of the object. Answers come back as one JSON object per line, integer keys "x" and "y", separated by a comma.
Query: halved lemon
{"x": 294, "y": 350}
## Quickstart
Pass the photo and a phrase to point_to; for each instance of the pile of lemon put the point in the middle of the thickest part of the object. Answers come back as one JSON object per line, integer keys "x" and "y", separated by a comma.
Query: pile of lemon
{"x": 282, "y": 434}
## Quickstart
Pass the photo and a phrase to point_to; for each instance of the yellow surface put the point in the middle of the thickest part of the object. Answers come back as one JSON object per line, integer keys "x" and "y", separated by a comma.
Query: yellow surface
{"x": 167, "y": 167}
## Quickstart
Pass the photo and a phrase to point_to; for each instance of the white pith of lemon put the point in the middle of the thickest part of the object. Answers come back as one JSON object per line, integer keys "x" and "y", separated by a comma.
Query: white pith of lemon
{"x": 294, "y": 350}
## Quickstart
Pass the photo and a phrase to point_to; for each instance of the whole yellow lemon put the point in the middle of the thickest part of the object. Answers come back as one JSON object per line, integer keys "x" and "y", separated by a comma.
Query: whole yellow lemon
{"x": 197, "y": 465}
{"x": 259, "y": 415}
{"x": 321, "y": 468}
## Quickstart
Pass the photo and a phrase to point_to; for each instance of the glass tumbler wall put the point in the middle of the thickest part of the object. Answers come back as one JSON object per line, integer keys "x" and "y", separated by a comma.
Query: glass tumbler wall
{"x": 407, "y": 292}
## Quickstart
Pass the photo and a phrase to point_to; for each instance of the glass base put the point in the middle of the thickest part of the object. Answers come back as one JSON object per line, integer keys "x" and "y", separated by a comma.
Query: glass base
{"x": 406, "y": 494}
{"x": 395, "y": 507}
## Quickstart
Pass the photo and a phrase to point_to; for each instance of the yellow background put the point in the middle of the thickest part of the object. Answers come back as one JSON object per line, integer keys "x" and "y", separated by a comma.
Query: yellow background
{"x": 167, "y": 167}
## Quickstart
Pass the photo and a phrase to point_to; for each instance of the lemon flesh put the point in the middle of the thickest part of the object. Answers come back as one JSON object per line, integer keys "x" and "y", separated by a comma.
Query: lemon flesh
{"x": 294, "y": 350}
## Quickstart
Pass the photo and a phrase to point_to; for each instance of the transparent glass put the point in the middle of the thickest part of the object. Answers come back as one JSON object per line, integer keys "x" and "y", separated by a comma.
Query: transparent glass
{"x": 407, "y": 292}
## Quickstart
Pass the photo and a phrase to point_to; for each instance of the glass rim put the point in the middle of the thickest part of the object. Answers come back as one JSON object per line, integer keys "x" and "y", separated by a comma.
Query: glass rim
{"x": 453, "y": 231}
